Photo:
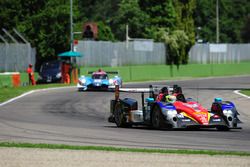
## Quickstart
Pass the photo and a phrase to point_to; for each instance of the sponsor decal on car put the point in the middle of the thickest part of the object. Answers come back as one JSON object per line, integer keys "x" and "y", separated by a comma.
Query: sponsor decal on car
{"x": 186, "y": 120}
{"x": 217, "y": 120}
{"x": 180, "y": 116}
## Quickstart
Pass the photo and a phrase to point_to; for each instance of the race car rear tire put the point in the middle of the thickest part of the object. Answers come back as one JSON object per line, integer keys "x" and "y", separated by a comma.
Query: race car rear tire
{"x": 157, "y": 118}
{"x": 119, "y": 116}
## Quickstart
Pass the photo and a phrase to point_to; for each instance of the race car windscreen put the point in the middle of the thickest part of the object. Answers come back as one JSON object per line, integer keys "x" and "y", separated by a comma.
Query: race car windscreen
{"x": 100, "y": 76}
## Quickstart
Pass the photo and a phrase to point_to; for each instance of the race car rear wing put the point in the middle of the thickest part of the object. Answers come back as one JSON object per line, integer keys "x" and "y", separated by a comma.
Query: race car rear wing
{"x": 108, "y": 72}
{"x": 112, "y": 72}
{"x": 132, "y": 90}
{"x": 153, "y": 90}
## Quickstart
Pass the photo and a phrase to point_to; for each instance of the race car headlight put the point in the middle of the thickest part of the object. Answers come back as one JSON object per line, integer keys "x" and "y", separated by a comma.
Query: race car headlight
{"x": 167, "y": 112}
{"x": 227, "y": 112}
{"x": 81, "y": 82}
{"x": 171, "y": 112}
{"x": 111, "y": 81}
{"x": 59, "y": 75}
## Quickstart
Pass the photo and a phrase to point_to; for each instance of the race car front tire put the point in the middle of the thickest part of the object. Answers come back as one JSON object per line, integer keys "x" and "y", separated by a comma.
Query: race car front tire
{"x": 157, "y": 118}
{"x": 119, "y": 116}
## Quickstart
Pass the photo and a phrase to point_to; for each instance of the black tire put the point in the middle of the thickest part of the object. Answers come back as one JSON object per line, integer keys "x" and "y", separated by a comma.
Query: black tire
{"x": 119, "y": 116}
{"x": 157, "y": 118}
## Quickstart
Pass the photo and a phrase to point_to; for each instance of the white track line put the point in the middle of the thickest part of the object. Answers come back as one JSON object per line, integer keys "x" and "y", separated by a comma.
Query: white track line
{"x": 15, "y": 98}
{"x": 30, "y": 92}
{"x": 238, "y": 93}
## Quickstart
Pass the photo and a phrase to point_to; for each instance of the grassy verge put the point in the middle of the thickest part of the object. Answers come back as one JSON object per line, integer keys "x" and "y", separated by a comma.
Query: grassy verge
{"x": 117, "y": 149}
{"x": 10, "y": 92}
{"x": 162, "y": 72}
{"x": 246, "y": 92}
{"x": 6, "y": 80}
{"x": 136, "y": 73}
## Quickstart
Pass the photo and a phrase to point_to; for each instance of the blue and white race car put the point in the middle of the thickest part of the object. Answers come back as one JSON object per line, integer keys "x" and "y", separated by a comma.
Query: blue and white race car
{"x": 99, "y": 80}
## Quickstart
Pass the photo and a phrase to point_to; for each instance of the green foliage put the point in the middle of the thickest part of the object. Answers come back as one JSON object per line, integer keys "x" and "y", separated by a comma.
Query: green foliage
{"x": 232, "y": 19}
{"x": 47, "y": 29}
{"x": 130, "y": 13}
{"x": 185, "y": 21}
{"x": 9, "y": 9}
{"x": 99, "y": 10}
{"x": 172, "y": 23}
{"x": 46, "y": 24}
{"x": 162, "y": 15}
{"x": 246, "y": 31}
{"x": 176, "y": 43}
{"x": 104, "y": 32}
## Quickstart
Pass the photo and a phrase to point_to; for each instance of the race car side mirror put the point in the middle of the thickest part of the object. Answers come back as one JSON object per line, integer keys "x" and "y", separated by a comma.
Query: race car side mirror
{"x": 149, "y": 100}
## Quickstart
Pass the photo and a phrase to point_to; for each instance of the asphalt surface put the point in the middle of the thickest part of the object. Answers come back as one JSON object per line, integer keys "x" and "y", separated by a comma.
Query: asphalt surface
{"x": 66, "y": 116}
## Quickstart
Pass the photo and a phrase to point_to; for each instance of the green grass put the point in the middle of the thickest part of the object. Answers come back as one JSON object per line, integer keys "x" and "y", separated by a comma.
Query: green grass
{"x": 158, "y": 72}
{"x": 136, "y": 73}
{"x": 6, "y": 80}
{"x": 118, "y": 149}
{"x": 246, "y": 92}
{"x": 162, "y": 72}
{"x": 10, "y": 92}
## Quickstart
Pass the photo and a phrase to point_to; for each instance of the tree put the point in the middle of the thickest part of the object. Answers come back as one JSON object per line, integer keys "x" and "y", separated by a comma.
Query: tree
{"x": 48, "y": 30}
{"x": 176, "y": 19}
{"x": 232, "y": 17}
{"x": 129, "y": 13}
{"x": 175, "y": 42}
{"x": 104, "y": 32}
{"x": 246, "y": 31}
{"x": 9, "y": 9}
{"x": 161, "y": 13}
{"x": 185, "y": 22}
{"x": 98, "y": 10}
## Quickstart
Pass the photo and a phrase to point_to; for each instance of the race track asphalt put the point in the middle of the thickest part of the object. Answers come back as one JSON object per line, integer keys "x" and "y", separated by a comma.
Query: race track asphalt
{"x": 66, "y": 116}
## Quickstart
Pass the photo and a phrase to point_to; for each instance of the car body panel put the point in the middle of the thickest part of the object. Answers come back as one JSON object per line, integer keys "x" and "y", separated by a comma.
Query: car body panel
{"x": 193, "y": 110}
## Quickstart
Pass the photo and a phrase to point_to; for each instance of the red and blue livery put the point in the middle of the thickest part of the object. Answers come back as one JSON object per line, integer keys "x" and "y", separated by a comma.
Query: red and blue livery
{"x": 168, "y": 108}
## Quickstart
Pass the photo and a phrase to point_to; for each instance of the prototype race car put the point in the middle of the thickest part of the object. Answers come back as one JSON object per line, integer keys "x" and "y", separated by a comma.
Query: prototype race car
{"x": 99, "y": 80}
{"x": 168, "y": 108}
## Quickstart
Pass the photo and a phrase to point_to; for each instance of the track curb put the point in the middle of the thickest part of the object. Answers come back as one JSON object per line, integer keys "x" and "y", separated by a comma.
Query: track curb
{"x": 241, "y": 94}
{"x": 30, "y": 92}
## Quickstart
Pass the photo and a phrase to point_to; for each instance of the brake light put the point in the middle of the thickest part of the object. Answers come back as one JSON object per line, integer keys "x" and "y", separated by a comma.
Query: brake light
{"x": 216, "y": 116}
